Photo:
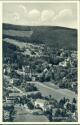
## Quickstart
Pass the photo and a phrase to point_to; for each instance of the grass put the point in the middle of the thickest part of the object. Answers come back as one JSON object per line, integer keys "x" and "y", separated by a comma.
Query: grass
{"x": 30, "y": 118}
{"x": 50, "y": 89}
{"x": 56, "y": 92}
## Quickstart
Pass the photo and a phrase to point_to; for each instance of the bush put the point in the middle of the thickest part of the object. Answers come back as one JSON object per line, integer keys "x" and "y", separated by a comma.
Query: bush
{"x": 30, "y": 105}
{"x": 35, "y": 96}
{"x": 30, "y": 87}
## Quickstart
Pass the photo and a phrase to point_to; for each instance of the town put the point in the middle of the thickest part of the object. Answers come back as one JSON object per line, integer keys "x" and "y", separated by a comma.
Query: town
{"x": 39, "y": 83}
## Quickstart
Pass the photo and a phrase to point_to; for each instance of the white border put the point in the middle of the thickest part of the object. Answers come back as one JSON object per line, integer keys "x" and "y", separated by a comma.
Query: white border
{"x": 0, "y": 61}
{"x": 78, "y": 22}
{"x": 78, "y": 47}
{"x": 44, "y": 1}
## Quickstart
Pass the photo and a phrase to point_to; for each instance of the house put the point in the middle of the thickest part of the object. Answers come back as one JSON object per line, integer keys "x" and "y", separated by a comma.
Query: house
{"x": 40, "y": 103}
{"x": 63, "y": 64}
{"x": 45, "y": 70}
{"x": 74, "y": 55}
{"x": 10, "y": 100}
{"x": 68, "y": 103}
{"x": 15, "y": 94}
{"x": 4, "y": 70}
{"x": 74, "y": 115}
{"x": 33, "y": 78}
{"x": 6, "y": 114}
{"x": 11, "y": 81}
{"x": 74, "y": 85}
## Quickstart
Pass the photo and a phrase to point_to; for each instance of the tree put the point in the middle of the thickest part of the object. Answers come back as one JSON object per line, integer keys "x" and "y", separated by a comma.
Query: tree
{"x": 30, "y": 87}
{"x": 61, "y": 103}
{"x": 74, "y": 100}
{"x": 68, "y": 106}
{"x": 73, "y": 108}
{"x": 48, "y": 112}
{"x": 58, "y": 113}
{"x": 30, "y": 105}
{"x": 63, "y": 113}
{"x": 11, "y": 113}
{"x": 42, "y": 78}
{"x": 47, "y": 77}
{"x": 50, "y": 96}
{"x": 38, "y": 95}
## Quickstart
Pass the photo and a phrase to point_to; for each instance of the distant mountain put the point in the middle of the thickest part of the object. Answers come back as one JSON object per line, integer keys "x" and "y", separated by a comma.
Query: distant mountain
{"x": 54, "y": 36}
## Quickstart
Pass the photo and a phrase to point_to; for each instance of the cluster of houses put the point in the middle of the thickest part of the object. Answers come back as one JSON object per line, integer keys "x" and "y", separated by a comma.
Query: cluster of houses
{"x": 30, "y": 74}
{"x": 50, "y": 71}
{"x": 40, "y": 103}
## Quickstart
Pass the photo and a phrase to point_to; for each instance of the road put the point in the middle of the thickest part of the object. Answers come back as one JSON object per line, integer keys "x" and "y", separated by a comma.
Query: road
{"x": 24, "y": 93}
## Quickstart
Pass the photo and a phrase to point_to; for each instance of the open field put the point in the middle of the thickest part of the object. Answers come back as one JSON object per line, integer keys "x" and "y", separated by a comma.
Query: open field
{"x": 30, "y": 118}
{"x": 56, "y": 93}
{"x": 48, "y": 88}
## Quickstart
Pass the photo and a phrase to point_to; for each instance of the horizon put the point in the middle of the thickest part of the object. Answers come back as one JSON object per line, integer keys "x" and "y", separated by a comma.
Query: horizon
{"x": 38, "y": 26}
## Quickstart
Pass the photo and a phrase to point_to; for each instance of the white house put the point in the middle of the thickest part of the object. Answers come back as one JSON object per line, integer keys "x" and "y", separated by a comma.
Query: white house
{"x": 64, "y": 64}
{"x": 40, "y": 103}
{"x": 11, "y": 81}
{"x": 10, "y": 100}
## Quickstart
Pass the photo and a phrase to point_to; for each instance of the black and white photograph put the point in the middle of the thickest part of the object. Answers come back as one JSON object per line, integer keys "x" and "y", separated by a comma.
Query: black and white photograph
{"x": 40, "y": 62}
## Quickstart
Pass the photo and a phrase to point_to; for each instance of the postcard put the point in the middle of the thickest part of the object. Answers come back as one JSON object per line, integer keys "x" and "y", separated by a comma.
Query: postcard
{"x": 39, "y": 62}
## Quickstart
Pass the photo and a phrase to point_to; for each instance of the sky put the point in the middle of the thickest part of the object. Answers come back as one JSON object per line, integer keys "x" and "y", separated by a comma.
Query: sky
{"x": 52, "y": 14}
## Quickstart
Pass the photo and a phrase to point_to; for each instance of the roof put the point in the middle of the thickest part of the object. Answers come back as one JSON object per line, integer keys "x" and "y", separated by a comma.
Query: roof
{"x": 15, "y": 94}
{"x": 40, "y": 101}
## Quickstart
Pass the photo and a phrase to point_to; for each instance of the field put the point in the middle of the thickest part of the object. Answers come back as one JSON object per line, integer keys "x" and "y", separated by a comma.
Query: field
{"x": 46, "y": 89}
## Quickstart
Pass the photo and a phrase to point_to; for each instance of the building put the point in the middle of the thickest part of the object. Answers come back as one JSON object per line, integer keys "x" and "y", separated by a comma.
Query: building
{"x": 10, "y": 101}
{"x": 63, "y": 64}
{"x": 15, "y": 94}
{"x": 40, "y": 103}
{"x": 6, "y": 114}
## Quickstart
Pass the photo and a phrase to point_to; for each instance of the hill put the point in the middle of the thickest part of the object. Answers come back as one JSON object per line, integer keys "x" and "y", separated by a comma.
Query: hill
{"x": 54, "y": 36}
